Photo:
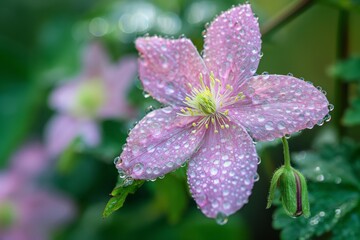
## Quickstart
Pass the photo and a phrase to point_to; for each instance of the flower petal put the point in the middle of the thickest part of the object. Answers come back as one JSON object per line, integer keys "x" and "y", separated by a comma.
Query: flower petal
{"x": 62, "y": 130}
{"x": 166, "y": 66}
{"x": 118, "y": 80}
{"x": 160, "y": 143}
{"x": 276, "y": 105}
{"x": 232, "y": 45}
{"x": 95, "y": 59}
{"x": 221, "y": 174}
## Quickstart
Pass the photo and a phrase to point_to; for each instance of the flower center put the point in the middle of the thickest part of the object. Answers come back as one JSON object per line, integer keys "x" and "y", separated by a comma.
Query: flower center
{"x": 210, "y": 103}
{"x": 90, "y": 97}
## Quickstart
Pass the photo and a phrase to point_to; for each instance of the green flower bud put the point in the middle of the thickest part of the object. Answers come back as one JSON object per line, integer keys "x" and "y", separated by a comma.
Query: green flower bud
{"x": 293, "y": 190}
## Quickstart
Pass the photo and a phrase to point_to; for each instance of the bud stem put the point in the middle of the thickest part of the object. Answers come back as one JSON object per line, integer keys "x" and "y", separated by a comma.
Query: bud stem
{"x": 286, "y": 154}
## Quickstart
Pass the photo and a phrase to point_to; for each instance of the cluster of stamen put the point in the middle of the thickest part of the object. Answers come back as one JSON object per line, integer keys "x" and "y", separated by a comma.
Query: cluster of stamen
{"x": 209, "y": 103}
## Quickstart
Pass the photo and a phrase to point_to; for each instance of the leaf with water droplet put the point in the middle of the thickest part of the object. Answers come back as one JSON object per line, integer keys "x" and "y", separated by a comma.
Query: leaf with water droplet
{"x": 120, "y": 192}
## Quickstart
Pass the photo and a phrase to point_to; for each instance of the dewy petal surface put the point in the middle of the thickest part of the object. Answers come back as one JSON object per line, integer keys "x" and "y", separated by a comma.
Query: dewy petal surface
{"x": 161, "y": 142}
{"x": 221, "y": 174}
{"x": 276, "y": 105}
{"x": 166, "y": 66}
{"x": 232, "y": 45}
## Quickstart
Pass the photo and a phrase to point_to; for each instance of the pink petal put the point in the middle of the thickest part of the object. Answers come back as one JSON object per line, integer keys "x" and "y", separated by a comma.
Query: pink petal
{"x": 30, "y": 159}
{"x": 221, "y": 174}
{"x": 44, "y": 211}
{"x": 160, "y": 143}
{"x": 64, "y": 97}
{"x": 166, "y": 67}
{"x": 118, "y": 80}
{"x": 276, "y": 105}
{"x": 232, "y": 45}
{"x": 62, "y": 130}
{"x": 95, "y": 59}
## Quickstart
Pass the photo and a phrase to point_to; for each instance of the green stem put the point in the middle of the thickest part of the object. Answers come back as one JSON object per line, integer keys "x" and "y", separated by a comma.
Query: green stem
{"x": 341, "y": 88}
{"x": 286, "y": 16}
{"x": 286, "y": 153}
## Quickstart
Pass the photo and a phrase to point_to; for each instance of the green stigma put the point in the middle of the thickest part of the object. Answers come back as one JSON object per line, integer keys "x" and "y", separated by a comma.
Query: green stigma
{"x": 205, "y": 102}
{"x": 90, "y": 97}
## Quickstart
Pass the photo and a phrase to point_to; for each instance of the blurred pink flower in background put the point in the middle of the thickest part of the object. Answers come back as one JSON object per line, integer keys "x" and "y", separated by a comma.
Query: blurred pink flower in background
{"x": 28, "y": 212}
{"x": 98, "y": 92}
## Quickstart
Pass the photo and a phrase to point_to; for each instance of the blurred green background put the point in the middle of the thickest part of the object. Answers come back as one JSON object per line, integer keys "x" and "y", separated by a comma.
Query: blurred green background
{"x": 41, "y": 44}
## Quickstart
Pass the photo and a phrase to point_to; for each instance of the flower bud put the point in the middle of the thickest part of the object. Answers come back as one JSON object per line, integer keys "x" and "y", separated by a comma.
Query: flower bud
{"x": 293, "y": 190}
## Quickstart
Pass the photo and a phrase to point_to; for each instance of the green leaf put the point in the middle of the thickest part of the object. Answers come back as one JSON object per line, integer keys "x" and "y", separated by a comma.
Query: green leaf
{"x": 172, "y": 197}
{"x": 352, "y": 114}
{"x": 329, "y": 206}
{"x": 349, "y": 228}
{"x": 327, "y": 170}
{"x": 120, "y": 192}
{"x": 348, "y": 70}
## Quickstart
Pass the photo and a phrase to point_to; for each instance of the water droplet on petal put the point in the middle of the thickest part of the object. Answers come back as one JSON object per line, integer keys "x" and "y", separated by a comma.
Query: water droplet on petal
{"x": 169, "y": 89}
{"x": 331, "y": 107}
{"x": 327, "y": 118}
{"x": 256, "y": 177}
{"x": 258, "y": 160}
{"x": 213, "y": 171}
{"x": 221, "y": 218}
{"x": 117, "y": 160}
{"x": 138, "y": 168}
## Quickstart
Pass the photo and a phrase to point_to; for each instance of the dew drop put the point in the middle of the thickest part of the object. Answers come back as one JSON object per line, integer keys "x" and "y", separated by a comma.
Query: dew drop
{"x": 227, "y": 163}
{"x": 320, "y": 122}
{"x": 337, "y": 212}
{"x": 128, "y": 181}
{"x": 287, "y": 136}
{"x": 117, "y": 160}
{"x": 169, "y": 89}
{"x": 269, "y": 126}
{"x": 290, "y": 74}
{"x": 226, "y": 205}
{"x": 122, "y": 173}
{"x": 213, "y": 171}
{"x": 146, "y": 95}
{"x": 338, "y": 180}
{"x": 149, "y": 109}
{"x": 320, "y": 178}
{"x": 221, "y": 218}
{"x": 150, "y": 149}
{"x": 261, "y": 118}
{"x": 331, "y": 107}
{"x": 327, "y": 118}
{"x": 138, "y": 168}
{"x": 256, "y": 177}
{"x": 258, "y": 160}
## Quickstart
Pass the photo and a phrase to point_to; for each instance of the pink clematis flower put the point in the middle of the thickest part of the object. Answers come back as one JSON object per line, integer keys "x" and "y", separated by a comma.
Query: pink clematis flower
{"x": 216, "y": 108}
{"x": 99, "y": 92}
{"x": 26, "y": 210}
